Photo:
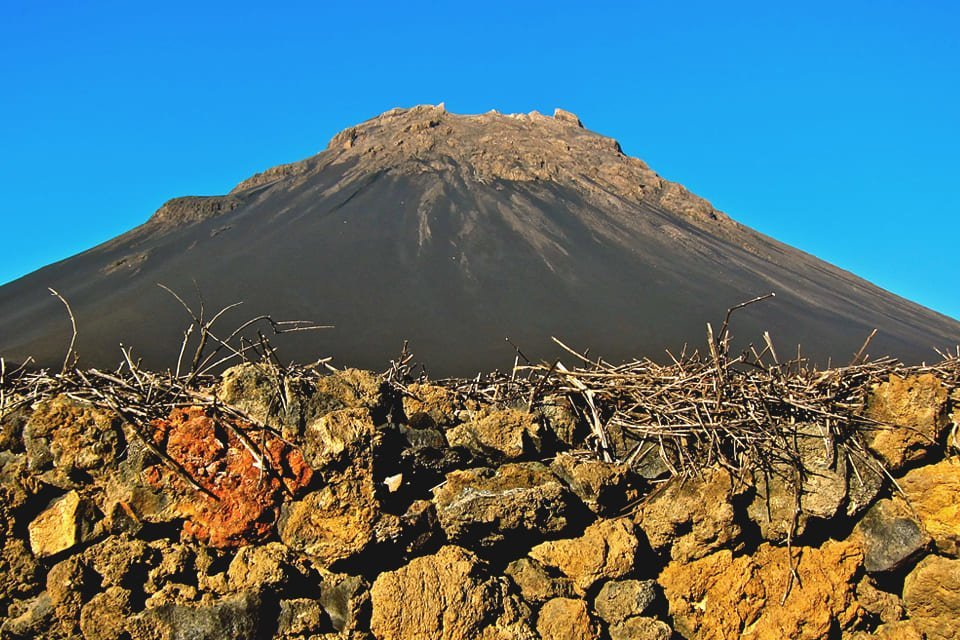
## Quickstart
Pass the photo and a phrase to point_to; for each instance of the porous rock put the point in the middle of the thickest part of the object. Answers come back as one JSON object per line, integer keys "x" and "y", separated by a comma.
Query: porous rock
{"x": 105, "y": 616}
{"x": 234, "y": 617}
{"x": 931, "y": 593}
{"x": 618, "y": 600}
{"x": 914, "y": 410}
{"x": 69, "y": 438}
{"x": 722, "y": 596}
{"x": 934, "y": 493}
{"x": 504, "y": 434}
{"x": 67, "y": 522}
{"x": 640, "y": 628}
{"x": 607, "y": 550}
{"x": 447, "y": 596}
{"x": 566, "y": 619}
{"x": 488, "y": 507}
{"x": 691, "y": 517}
{"x": 892, "y": 536}
{"x": 605, "y": 487}
{"x": 535, "y": 582}
{"x": 429, "y": 406}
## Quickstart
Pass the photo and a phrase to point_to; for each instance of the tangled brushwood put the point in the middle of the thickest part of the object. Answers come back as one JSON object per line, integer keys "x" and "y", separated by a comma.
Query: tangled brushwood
{"x": 715, "y": 495}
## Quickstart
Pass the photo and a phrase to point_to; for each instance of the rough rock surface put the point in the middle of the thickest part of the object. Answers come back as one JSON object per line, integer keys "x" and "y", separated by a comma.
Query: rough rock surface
{"x": 446, "y": 596}
{"x": 507, "y": 434}
{"x": 722, "y": 596}
{"x": 604, "y": 487}
{"x": 915, "y": 409}
{"x": 67, "y": 522}
{"x": 618, "y": 600}
{"x": 490, "y": 507}
{"x": 934, "y": 492}
{"x": 892, "y": 536}
{"x": 606, "y": 550}
{"x": 931, "y": 593}
{"x": 690, "y": 517}
{"x": 566, "y": 619}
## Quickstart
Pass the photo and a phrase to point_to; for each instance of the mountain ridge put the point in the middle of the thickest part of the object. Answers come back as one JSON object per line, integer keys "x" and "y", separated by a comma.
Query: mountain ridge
{"x": 457, "y": 231}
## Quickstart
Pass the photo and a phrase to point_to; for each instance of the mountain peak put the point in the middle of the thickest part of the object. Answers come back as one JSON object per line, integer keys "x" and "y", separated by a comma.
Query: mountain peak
{"x": 489, "y": 147}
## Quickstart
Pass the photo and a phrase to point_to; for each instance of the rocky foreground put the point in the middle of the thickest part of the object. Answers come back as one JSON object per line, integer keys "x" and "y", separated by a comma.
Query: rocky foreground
{"x": 348, "y": 505}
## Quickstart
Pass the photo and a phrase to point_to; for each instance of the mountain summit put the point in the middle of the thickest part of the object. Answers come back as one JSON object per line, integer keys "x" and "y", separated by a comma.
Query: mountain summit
{"x": 456, "y": 232}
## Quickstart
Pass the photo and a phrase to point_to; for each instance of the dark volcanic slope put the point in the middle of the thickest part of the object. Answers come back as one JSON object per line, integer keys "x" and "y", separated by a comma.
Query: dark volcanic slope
{"x": 456, "y": 232}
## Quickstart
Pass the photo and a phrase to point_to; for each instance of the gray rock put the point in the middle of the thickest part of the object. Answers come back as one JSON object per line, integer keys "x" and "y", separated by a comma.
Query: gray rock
{"x": 234, "y": 617}
{"x": 622, "y": 599}
{"x": 892, "y": 536}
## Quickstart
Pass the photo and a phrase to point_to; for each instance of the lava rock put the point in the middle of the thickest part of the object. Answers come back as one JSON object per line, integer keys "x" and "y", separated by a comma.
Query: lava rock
{"x": 566, "y": 619}
{"x": 68, "y": 521}
{"x": 535, "y": 582}
{"x": 915, "y": 410}
{"x": 505, "y": 434}
{"x": 447, "y": 596}
{"x": 487, "y": 507}
{"x": 931, "y": 593}
{"x": 691, "y": 517}
{"x": 934, "y": 493}
{"x": 607, "y": 550}
{"x": 604, "y": 487}
{"x": 892, "y": 536}
{"x": 618, "y": 600}
{"x": 720, "y": 595}
{"x": 640, "y": 628}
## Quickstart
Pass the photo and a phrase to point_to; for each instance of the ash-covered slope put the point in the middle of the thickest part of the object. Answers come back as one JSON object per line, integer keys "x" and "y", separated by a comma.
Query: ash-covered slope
{"x": 456, "y": 232}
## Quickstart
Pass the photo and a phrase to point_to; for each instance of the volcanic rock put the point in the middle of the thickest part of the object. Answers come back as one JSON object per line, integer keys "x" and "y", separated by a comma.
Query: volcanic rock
{"x": 722, "y": 596}
{"x": 914, "y": 409}
{"x": 691, "y": 517}
{"x": 604, "y": 487}
{"x": 447, "y": 596}
{"x": 607, "y": 550}
{"x": 536, "y": 584}
{"x": 934, "y": 492}
{"x": 490, "y": 507}
{"x": 931, "y": 593}
{"x": 618, "y": 600}
{"x": 640, "y": 628}
{"x": 506, "y": 434}
{"x": 566, "y": 619}
{"x": 67, "y": 522}
{"x": 892, "y": 535}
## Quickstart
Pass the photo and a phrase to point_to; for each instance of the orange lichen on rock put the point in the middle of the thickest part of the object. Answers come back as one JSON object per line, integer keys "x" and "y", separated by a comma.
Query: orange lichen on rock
{"x": 245, "y": 490}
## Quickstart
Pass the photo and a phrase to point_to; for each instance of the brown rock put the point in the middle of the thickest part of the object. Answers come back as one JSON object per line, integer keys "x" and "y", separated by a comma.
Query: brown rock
{"x": 30, "y": 619}
{"x": 566, "y": 116}
{"x": 931, "y": 593}
{"x": 253, "y": 389}
{"x": 560, "y": 418}
{"x": 271, "y": 565}
{"x": 119, "y": 560}
{"x": 341, "y": 439}
{"x": 301, "y": 617}
{"x": 348, "y": 389}
{"x": 934, "y": 492}
{"x": 720, "y": 596}
{"x": 71, "y": 438}
{"x": 67, "y": 581}
{"x": 235, "y": 617}
{"x": 535, "y": 583}
{"x": 915, "y": 409}
{"x": 428, "y": 406}
{"x": 622, "y": 599}
{"x": 490, "y": 507}
{"x": 641, "y": 628}
{"x": 892, "y": 536}
{"x": 885, "y": 606}
{"x": 505, "y": 434}
{"x": 105, "y": 616}
{"x": 691, "y": 517}
{"x": 604, "y": 487}
{"x": 68, "y": 521}
{"x": 566, "y": 619}
{"x": 606, "y": 550}
{"x": 346, "y": 601}
{"x": 334, "y": 523}
{"x": 446, "y": 596}
{"x": 901, "y": 630}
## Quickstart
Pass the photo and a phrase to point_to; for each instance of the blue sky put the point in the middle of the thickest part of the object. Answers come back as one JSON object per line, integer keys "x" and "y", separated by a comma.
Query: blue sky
{"x": 833, "y": 127}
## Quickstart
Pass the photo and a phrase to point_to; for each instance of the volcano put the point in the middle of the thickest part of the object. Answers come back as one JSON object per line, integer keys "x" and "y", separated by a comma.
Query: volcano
{"x": 456, "y": 232}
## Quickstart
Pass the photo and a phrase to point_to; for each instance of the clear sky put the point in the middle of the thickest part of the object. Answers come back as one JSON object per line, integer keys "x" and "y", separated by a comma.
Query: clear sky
{"x": 832, "y": 126}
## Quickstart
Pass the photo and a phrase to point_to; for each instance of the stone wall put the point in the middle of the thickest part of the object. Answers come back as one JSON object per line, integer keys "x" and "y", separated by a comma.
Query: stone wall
{"x": 352, "y": 508}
